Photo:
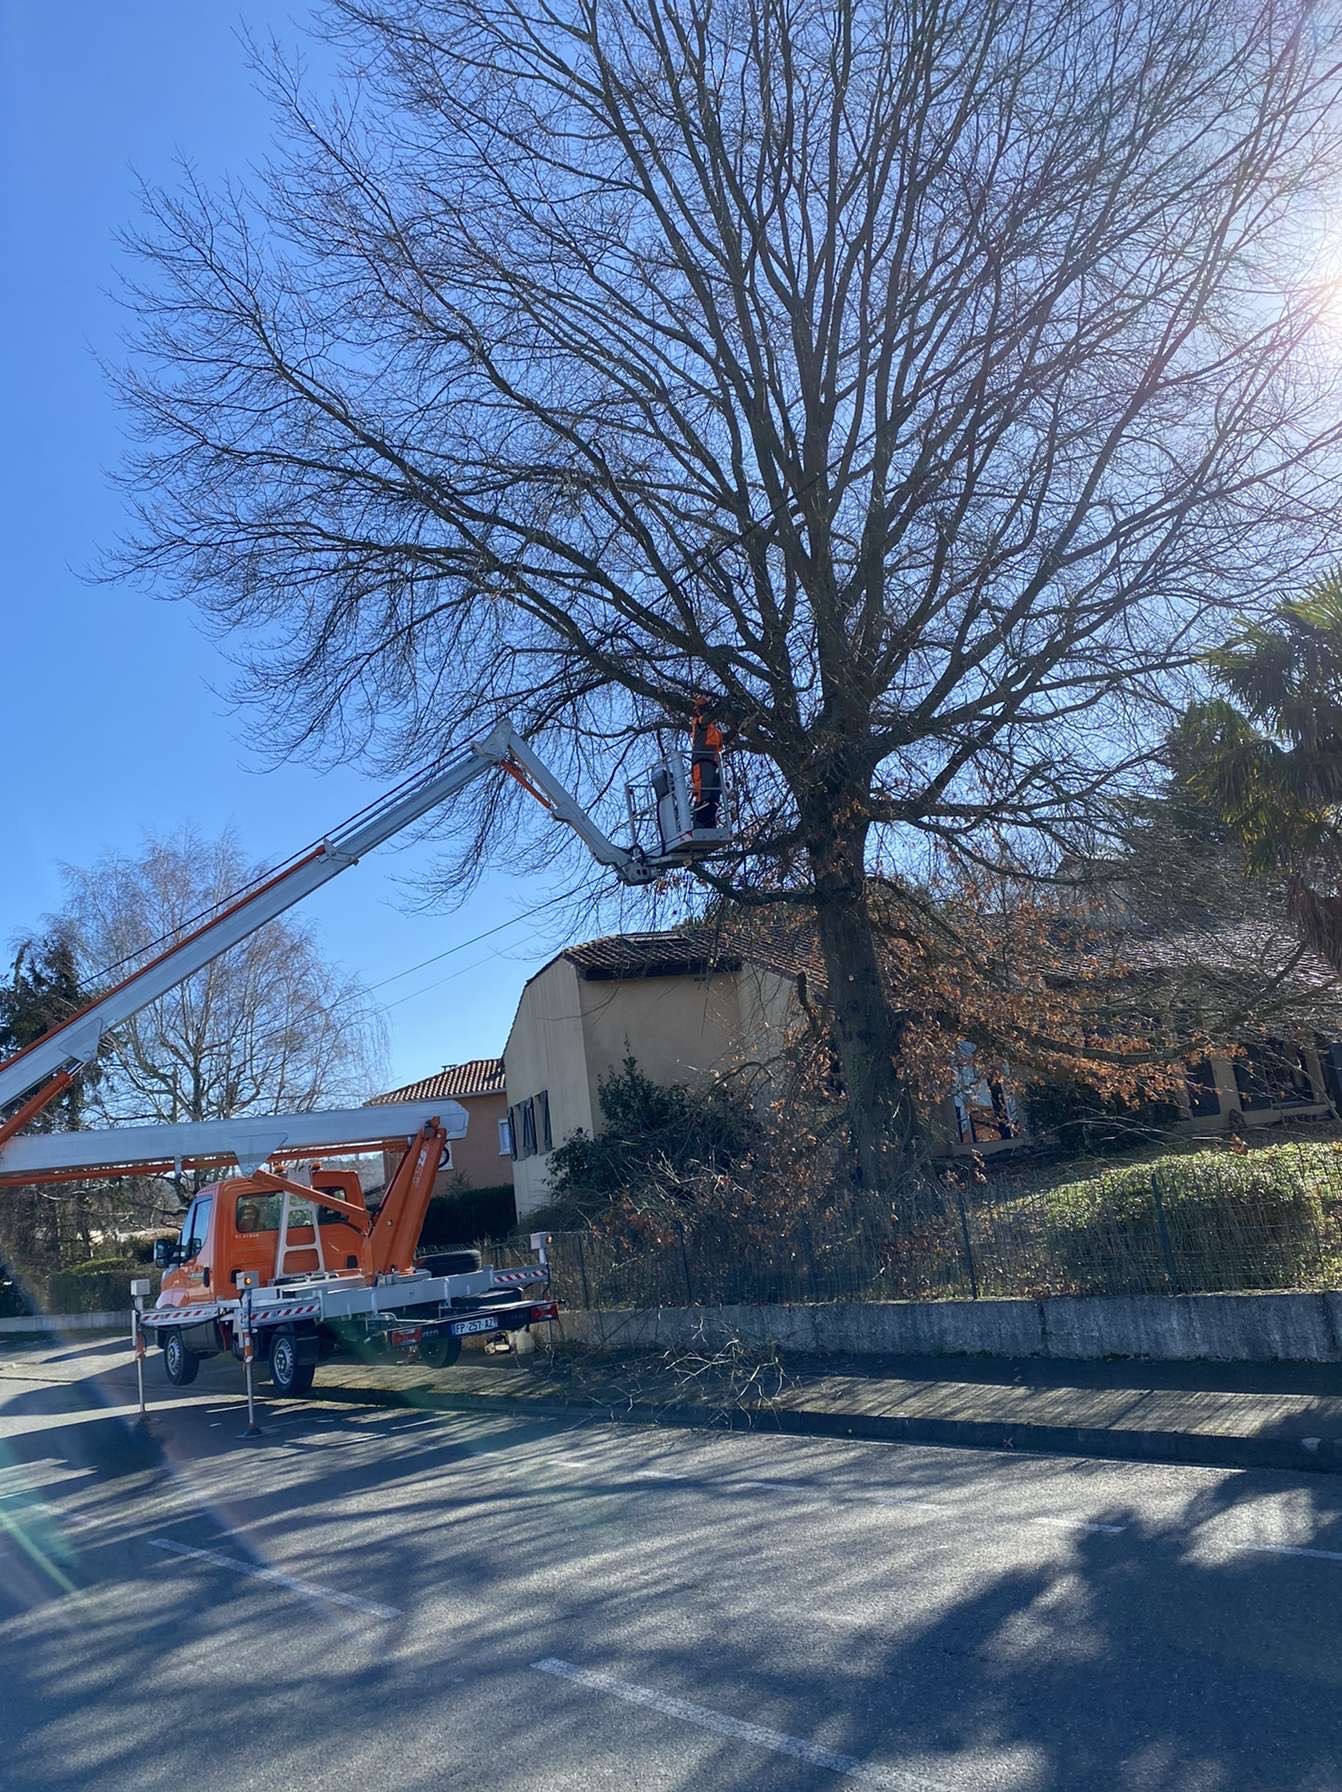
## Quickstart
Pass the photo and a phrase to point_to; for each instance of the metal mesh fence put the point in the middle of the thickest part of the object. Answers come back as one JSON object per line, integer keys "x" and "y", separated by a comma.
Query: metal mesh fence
{"x": 1215, "y": 1223}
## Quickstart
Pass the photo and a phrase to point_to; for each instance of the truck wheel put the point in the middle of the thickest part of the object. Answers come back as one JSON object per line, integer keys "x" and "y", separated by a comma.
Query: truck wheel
{"x": 438, "y": 1350}
{"x": 450, "y": 1263}
{"x": 289, "y": 1375}
{"x": 180, "y": 1364}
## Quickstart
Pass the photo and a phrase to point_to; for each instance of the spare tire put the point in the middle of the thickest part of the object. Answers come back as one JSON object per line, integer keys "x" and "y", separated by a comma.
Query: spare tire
{"x": 450, "y": 1263}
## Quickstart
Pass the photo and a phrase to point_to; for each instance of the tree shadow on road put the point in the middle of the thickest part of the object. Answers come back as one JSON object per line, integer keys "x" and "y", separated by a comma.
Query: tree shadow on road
{"x": 952, "y": 1643}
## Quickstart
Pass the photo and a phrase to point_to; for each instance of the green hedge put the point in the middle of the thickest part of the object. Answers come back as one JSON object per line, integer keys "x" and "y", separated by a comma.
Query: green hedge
{"x": 1263, "y": 1219}
{"x": 472, "y": 1214}
{"x": 101, "y": 1285}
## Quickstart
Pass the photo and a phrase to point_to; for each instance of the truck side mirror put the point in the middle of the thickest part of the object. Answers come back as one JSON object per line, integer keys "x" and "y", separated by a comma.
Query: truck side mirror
{"x": 162, "y": 1252}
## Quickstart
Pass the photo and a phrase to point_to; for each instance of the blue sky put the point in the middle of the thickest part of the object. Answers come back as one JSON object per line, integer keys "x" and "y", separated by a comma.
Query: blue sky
{"x": 111, "y": 720}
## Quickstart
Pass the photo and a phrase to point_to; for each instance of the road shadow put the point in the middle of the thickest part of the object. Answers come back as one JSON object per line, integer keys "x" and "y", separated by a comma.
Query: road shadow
{"x": 1149, "y": 1656}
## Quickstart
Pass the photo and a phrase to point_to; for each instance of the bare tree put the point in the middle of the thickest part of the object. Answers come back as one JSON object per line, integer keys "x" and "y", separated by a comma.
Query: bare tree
{"x": 925, "y": 382}
{"x": 269, "y": 1026}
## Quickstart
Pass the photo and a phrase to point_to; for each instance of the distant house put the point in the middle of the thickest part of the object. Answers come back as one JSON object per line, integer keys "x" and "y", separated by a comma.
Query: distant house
{"x": 1271, "y": 1078}
{"x": 687, "y": 1006}
{"x": 483, "y": 1158}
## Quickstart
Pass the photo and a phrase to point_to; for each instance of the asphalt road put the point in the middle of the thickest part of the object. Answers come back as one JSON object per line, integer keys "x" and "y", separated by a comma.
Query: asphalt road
{"x": 371, "y": 1599}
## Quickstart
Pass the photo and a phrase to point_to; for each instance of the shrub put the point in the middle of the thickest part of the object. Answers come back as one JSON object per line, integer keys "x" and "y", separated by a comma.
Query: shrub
{"x": 14, "y": 1302}
{"x": 89, "y": 1290}
{"x": 468, "y": 1214}
{"x": 649, "y": 1131}
{"x": 1253, "y": 1221}
{"x": 1083, "y": 1122}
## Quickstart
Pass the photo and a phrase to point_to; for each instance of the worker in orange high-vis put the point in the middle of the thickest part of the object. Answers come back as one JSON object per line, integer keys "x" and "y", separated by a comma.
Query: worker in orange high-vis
{"x": 705, "y": 767}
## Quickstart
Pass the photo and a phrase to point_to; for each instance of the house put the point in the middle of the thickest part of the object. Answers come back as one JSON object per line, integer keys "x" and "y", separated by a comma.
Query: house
{"x": 1174, "y": 977}
{"x": 482, "y": 1159}
{"x": 694, "y": 1004}
{"x": 686, "y": 1005}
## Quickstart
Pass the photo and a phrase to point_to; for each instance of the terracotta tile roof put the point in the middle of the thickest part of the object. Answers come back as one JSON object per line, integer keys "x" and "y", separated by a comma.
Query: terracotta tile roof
{"x": 682, "y": 952}
{"x": 787, "y": 948}
{"x": 478, "y": 1076}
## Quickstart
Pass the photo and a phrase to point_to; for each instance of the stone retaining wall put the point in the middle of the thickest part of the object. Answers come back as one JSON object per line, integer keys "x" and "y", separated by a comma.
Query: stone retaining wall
{"x": 1172, "y": 1328}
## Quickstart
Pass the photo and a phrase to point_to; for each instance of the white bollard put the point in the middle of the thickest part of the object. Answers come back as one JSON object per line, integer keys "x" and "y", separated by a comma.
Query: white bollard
{"x": 139, "y": 1293}
{"x": 247, "y": 1281}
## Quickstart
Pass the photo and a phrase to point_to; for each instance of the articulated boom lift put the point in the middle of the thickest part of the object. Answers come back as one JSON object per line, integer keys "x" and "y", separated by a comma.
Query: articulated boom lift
{"x": 293, "y": 1243}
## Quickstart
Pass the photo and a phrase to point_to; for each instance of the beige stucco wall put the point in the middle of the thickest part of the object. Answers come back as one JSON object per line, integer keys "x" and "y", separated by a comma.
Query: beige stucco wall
{"x": 545, "y": 1051}
{"x": 476, "y": 1157}
{"x": 680, "y": 1029}
{"x": 569, "y": 1033}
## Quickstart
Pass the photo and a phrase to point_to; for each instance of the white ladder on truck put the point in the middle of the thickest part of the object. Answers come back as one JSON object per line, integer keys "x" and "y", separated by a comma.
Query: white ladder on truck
{"x": 283, "y": 1248}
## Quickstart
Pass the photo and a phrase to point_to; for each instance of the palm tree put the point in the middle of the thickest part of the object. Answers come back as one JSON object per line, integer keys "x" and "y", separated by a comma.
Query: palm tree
{"x": 1265, "y": 756}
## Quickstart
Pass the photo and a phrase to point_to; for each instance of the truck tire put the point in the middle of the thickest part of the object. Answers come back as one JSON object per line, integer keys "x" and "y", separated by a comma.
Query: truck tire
{"x": 179, "y": 1364}
{"x": 288, "y": 1372}
{"x": 450, "y": 1263}
{"x": 439, "y": 1351}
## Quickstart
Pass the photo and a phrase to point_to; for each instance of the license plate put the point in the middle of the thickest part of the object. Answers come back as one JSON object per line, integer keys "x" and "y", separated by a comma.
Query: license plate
{"x": 463, "y": 1326}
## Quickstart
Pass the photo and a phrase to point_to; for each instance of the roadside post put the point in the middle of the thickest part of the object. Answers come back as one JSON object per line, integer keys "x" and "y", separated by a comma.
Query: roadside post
{"x": 139, "y": 1293}
{"x": 247, "y": 1282}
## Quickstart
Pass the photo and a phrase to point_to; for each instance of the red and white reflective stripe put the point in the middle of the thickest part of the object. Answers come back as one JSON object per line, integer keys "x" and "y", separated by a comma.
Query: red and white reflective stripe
{"x": 181, "y": 1315}
{"x": 518, "y": 1278}
{"x": 294, "y": 1309}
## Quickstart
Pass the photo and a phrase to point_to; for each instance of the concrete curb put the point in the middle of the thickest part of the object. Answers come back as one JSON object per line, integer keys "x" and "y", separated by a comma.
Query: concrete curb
{"x": 56, "y": 1325}
{"x": 1189, "y": 1448}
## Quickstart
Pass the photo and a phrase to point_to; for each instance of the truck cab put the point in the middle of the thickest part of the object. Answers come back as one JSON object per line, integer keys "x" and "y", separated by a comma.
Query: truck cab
{"x": 234, "y": 1227}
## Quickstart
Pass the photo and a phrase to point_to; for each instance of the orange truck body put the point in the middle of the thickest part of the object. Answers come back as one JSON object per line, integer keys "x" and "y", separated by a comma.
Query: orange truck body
{"x": 252, "y": 1276}
{"x": 236, "y": 1225}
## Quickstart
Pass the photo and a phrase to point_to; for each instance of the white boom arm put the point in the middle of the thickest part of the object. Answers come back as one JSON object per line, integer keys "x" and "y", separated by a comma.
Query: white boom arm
{"x": 248, "y": 1140}
{"x": 76, "y": 1041}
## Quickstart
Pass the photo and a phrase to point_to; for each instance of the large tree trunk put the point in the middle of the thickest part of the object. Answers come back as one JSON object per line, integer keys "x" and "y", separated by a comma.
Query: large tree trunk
{"x": 885, "y": 1135}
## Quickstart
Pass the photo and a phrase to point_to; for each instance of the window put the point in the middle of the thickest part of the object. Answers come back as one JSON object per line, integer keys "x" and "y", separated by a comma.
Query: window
{"x": 1273, "y": 1074}
{"x": 1203, "y": 1100}
{"x": 984, "y": 1109}
{"x": 199, "y": 1218}
{"x": 506, "y": 1136}
{"x": 257, "y": 1213}
{"x": 528, "y": 1126}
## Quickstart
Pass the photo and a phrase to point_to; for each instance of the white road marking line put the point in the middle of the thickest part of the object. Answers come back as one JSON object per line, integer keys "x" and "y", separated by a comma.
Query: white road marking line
{"x": 722, "y": 1725}
{"x": 1292, "y": 1549}
{"x": 306, "y": 1587}
{"x": 1077, "y": 1524}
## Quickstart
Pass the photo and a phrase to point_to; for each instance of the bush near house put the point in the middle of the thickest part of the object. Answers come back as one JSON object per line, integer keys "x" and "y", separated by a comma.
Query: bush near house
{"x": 1264, "y": 1219}
{"x": 102, "y": 1285}
{"x": 468, "y": 1215}
{"x": 651, "y": 1132}
{"x": 1083, "y": 1123}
